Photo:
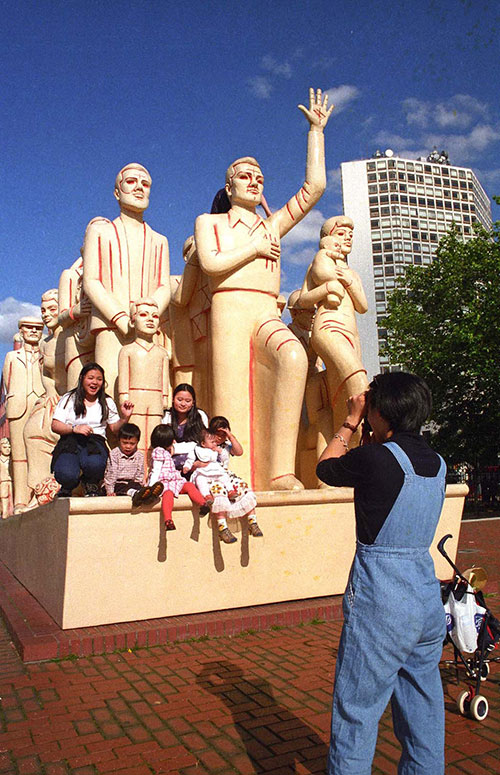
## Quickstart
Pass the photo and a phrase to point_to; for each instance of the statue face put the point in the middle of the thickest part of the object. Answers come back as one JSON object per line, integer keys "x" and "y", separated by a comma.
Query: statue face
{"x": 133, "y": 190}
{"x": 5, "y": 446}
{"x": 31, "y": 332}
{"x": 147, "y": 319}
{"x": 343, "y": 235}
{"x": 50, "y": 310}
{"x": 246, "y": 186}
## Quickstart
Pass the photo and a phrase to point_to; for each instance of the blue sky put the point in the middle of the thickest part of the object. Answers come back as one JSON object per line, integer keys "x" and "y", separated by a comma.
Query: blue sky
{"x": 185, "y": 87}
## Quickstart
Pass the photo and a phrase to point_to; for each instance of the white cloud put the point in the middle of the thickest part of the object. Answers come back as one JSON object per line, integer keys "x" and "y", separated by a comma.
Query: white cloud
{"x": 465, "y": 147}
{"x": 10, "y": 311}
{"x": 457, "y": 112}
{"x": 491, "y": 178}
{"x": 334, "y": 180}
{"x": 341, "y": 96}
{"x": 274, "y": 67}
{"x": 260, "y": 86}
{"x": 302, "y": 257}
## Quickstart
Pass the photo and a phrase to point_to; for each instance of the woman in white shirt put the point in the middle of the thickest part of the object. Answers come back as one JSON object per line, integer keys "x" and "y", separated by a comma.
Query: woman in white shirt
{"x": 81, "y": 418}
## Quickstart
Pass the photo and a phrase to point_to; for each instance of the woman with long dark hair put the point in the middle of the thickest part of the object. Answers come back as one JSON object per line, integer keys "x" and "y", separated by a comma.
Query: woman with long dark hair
{"x": 187, "y": 422}
{"x": 81, "y": 418}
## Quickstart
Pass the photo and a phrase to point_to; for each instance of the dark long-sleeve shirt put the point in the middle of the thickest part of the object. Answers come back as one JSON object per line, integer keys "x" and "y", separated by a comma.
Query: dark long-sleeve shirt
{"x": 377, "y": 478}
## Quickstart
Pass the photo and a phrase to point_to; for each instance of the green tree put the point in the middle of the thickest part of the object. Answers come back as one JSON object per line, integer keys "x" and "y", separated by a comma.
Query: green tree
{"x": 443, "y": 323}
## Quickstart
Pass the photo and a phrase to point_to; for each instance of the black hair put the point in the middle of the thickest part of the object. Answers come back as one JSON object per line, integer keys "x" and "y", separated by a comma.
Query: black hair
{"x": 403, "y": 400}
{"x": 221, "y": 203}
{"x": 129, "y": 431}
{"x": 162, "y": 436}
{"x": 79, "y": 393}
{"x": 194, "y": 423}
{"x": 218, "y": 422}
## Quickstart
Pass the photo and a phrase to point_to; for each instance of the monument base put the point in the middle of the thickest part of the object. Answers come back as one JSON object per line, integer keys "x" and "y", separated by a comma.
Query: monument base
{"x": 90, "y": 561}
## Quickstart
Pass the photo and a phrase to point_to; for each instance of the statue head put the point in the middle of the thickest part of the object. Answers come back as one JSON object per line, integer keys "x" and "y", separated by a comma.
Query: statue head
{"x": 132, "y": 187}
{"x": 303, "y": 317}
{"x": 49, "y": 308}
{"x": 244, "y": 182}
{"x": 341, "y": 227}
{"x": 30, "y": 329}
{"x": 145, "y": 316}
{"x": 5, "y": 446}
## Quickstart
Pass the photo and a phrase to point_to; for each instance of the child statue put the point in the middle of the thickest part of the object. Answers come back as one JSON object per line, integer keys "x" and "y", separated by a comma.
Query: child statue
{"x": 6, "y": 499}
{"x": 143, "y": 371}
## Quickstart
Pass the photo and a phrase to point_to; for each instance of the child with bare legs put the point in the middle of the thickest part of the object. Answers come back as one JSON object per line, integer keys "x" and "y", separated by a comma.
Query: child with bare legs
{"x": 163, "y": 470}
{"x": 245, "y": 502}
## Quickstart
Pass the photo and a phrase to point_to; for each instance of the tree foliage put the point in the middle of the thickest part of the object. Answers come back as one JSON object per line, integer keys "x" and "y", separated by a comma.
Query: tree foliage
{"x": 443, "y": 323}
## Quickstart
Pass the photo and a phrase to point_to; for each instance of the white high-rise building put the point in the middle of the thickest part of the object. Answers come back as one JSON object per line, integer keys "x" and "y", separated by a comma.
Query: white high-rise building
{"x": 401, "y": 208}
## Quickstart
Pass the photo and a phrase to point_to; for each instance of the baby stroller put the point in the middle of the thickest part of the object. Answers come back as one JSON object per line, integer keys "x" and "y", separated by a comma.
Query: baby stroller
{"x": 473, "y": 632}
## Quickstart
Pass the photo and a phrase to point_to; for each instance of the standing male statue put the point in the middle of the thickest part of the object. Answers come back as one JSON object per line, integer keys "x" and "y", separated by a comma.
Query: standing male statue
{"x": 259, "y": 367}
{"x": 22, "y": 377}
{"x": 123, "y": 260}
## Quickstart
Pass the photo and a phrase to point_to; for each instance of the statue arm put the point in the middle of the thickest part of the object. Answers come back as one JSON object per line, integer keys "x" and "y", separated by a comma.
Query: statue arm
{"x": 111, "y": 309}
{"x": 69, "y": 309}
{"x": 314, "y": 185}
{"x": 124, "y": 374}
{"x": 354, "y": 288}
{"x": 215, "y": 261}
{"x": 165, "y": 390}
{"x": 184, "y": 291}
{"x": 162, "y": 293}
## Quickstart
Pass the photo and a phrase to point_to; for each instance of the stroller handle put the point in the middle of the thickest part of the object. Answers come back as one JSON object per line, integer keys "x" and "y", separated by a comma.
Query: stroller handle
{"x": 442, "y": 551}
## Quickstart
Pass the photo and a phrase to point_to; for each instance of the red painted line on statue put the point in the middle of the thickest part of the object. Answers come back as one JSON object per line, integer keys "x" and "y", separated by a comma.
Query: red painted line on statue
{"x": 100, "y": 258}
{"x": 143, "y": 257}
{"x": 217, "y": 238}
{"x": 289, "y": 212}
{"x": 161, "y": 262}
{"x": 298, "y": 203}
{"x": 247, "y": 290}
{"x": 285, "y": 342}
{"x": 111, "y": 267}
{"x": 251, "y": 413}
{"x": 271, "y": 320}
{"x": 337, "y": 392}
{"x": 281, "y": 476}
{"x": 119, "y": 246}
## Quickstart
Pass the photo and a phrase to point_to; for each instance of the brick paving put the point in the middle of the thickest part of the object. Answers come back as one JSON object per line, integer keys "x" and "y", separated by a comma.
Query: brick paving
{"x": 257, "y": 702}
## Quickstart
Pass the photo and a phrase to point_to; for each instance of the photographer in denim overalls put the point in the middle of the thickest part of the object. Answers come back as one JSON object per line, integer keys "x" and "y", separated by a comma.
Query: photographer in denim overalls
{"x": 394, "y": 622}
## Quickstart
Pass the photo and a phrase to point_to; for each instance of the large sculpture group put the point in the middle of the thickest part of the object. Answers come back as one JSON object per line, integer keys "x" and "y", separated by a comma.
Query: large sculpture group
{"x": 217, "y": 326}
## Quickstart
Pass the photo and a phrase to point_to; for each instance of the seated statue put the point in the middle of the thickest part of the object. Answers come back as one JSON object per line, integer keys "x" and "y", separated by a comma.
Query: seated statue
{"x": 258, "y": 366}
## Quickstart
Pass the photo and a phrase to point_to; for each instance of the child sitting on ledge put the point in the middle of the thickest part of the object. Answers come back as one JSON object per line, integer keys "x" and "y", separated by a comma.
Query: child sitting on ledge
{"x": 124, "y": 474}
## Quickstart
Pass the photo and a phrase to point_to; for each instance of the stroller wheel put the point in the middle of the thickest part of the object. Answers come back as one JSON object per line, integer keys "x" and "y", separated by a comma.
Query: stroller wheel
{"x": 463, "y": 702}
{"x": 485, "y": 671}
{"x": 479, "y": 707}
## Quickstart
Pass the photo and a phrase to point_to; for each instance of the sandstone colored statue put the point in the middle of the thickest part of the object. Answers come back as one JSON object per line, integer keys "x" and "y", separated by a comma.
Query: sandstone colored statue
{"x": 77, "y": 343}
{"x": 39, "y": 439}
{"x": 22, "y": 376}
{"x": 301, "y": 325}
{"x": 336, "y": 292}
{"x": 123, "y": 260}
{"x": 144, "y": 371}
{"x": 258, "y": 366}
{"x": 6, "y": 500}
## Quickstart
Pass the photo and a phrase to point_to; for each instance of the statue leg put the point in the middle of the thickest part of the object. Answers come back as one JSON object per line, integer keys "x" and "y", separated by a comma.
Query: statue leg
{"x": 278, "y": 348}
{"x": 19, "y": 464}
{"x": 107, "y": 349}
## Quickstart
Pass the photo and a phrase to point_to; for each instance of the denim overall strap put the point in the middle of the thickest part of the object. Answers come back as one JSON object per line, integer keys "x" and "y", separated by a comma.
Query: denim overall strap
{"x": 412, "y": 521}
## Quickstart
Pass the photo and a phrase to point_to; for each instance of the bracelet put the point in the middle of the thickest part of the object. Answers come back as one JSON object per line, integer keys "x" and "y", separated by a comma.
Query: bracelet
{"x": 349, "y": 425}
{"x": 341, "y": 438}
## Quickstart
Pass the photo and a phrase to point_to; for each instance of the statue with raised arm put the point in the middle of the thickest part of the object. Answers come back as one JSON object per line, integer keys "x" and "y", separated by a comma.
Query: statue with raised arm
{"x": 77, "y": 343}
{"x": 22, "y": 377}
{"x": 259, "y": 368}
{"x": 336, "y": 291}
{"x": 123, "y": 260}
{"x": 143, "y": 371}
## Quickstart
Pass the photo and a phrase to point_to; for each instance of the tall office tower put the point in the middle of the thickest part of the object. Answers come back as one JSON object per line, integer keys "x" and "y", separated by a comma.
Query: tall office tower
{"x": 401, "y": 208}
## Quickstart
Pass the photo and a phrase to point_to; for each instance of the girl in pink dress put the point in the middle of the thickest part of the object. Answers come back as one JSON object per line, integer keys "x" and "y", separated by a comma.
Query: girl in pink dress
{"x": 163, "y": 470}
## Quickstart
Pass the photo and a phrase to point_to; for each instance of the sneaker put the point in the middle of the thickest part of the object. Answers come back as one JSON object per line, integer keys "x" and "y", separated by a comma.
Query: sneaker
{"x": 63, "y": 493}
{"x": 226, "y": 536}
{"x": 140, "y": 496}
{"x": 204, "y": 509}
{"x": 254, "y": 529}
{"x": 169, "y": 525}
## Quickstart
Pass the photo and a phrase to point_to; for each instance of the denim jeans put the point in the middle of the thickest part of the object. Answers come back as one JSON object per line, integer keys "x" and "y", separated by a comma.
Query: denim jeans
{"x": 87, "y": 464}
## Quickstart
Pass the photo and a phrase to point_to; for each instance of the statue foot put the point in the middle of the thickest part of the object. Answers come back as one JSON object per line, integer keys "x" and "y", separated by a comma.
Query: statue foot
{"x": 286, "y": 482}
{"x": 19, "y": 508}
{"x": 323, "y": 486}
